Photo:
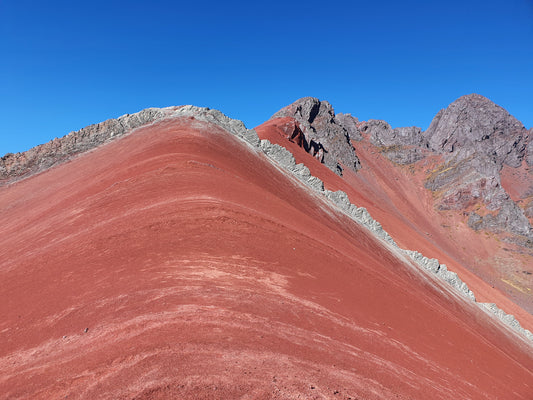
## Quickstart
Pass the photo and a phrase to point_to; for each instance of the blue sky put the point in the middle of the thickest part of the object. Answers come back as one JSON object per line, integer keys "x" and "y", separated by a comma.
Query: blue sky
{"x": 65, "y": 65}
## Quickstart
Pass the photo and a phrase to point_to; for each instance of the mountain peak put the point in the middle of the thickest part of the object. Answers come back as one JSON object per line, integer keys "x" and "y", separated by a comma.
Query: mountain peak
{"x": 306, "y": 109}
{"x": 330, "y": 133}
{"x": 474, "y": 124}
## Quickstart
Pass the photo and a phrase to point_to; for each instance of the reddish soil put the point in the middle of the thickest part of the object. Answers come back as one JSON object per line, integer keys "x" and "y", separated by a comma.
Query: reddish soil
{"x": 177, "y": 262}
{"x": 395, "y": 196}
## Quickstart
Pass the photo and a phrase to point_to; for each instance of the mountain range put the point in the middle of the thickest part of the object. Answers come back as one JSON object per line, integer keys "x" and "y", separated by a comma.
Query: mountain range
{"x": 175, "y": 253}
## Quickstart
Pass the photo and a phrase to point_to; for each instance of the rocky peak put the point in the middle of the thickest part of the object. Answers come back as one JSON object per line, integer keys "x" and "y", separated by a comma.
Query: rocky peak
{"x": 306, "y": 110}
{"x": 331, "y": 133}
{"x": 475, "y": 125}
{"x": 400, "y": 145}
{"x": 477, "y": 138}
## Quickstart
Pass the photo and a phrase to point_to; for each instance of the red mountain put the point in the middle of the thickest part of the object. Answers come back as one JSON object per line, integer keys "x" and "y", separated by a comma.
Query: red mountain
{"x": 169, "y": 254}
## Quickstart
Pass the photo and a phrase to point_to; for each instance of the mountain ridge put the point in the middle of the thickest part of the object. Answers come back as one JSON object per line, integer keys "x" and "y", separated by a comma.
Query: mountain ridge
{"x": 471, "y": 134}
{"x": 144, "y": 264}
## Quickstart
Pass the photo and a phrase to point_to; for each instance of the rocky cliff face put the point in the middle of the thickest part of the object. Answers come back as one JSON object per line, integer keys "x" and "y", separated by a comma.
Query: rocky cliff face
{"x": 477, "y": 138}
{"x": 329, "y": 133}
{"x": 475, "y": 126}
{"x": 400, "y": 145}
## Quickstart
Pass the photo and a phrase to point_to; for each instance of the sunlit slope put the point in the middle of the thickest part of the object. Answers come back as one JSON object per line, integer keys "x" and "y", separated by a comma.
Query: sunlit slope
{"x": 179, "y": 262}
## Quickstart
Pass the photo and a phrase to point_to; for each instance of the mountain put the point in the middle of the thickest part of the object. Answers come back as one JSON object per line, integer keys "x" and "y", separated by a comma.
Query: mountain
{"x": 465, "y": 184}
{"x": 174, "y": 253}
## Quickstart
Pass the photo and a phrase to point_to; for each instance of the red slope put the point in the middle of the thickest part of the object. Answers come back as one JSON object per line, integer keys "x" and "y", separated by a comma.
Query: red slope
{"x": 202, "y": 271}
{"x": 396, "y": 197}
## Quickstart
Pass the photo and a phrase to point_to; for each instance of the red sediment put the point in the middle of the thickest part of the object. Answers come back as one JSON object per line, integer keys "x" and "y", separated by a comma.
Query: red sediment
{"x": 177, "y": 262}
{"x": 395, "y": 196}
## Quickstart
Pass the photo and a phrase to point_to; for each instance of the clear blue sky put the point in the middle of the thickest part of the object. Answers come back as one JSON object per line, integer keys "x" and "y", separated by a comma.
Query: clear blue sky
{"x": 67, "y": 64}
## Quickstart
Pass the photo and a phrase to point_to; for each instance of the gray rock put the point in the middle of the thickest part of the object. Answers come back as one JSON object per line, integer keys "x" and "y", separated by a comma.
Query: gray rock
{"x": 462, "y": 184}
{"x": 382, "y": 135}
{"x": 360, "y": 214}
{"x": 477, "y": 138}
{"x": 320, "y": 126}
{"x": 440, "y": 270}
{"x": 510, "y": 218}
{"x": 286, "y": 160}
{"x": 350, "y": 124}
{"x": 474, "y": 124}
{"x": 507, "y": 319}
{"x": 400, "y": 145}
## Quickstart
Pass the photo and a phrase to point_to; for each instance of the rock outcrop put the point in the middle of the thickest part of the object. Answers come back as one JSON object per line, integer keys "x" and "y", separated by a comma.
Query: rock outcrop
{"x": 474, "y": 125}
{"x": 529, "y": 149}
{"x": 477, "y": 138}
{"x": 330, "y": 134}
{"x": 400, "y": 145}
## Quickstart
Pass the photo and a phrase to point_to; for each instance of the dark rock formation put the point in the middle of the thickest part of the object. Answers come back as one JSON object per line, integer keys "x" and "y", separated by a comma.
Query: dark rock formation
{"x": 331, "y": 134}
{"x": 295, "y": 135}
{"x": 350, "y": 123}
{"x": 462, "y": 183}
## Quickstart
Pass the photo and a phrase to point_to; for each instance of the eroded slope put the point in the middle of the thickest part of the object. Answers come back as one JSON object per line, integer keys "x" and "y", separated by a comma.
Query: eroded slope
{"x": 179, "y": 261}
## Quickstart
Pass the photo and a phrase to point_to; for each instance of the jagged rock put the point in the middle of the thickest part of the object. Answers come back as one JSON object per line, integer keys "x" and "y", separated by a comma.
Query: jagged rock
{"x": 340, "y": 198}
{"x": 297, "y": 136}
{"x": 510, "y": 218}
{"x": 477, "y": 138}
{"x": 278, "y": 153}
{"x": 400, "y": 145}
{"x": 285, "y": 159}
{"x": 507, "y": 319}
{"x": 462, "y": 185}
{"x": 382, "y": 135}
{"x": 432, "y": 265}
{"x": 350, "y": 123}
{"x": 320, "y": 125}
{"x": 475, "y": 125}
